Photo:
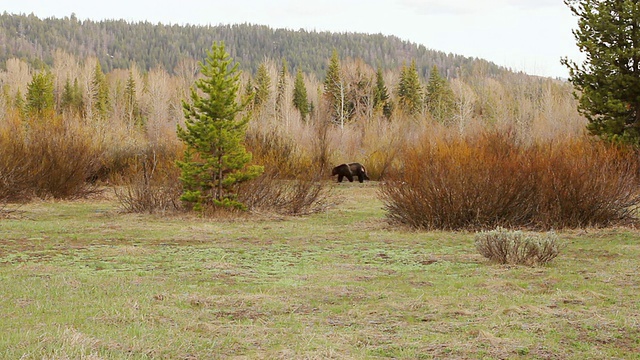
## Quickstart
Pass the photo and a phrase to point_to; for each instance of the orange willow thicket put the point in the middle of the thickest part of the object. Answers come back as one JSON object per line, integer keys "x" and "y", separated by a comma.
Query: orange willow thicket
{"x": 47, "y": 157}
{"x": 491, "y": 179}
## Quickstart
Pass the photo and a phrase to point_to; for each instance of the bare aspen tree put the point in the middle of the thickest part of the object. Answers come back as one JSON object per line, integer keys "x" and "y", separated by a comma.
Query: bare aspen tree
{"x": 556, "y": 113}
{"x": 17, "y": 76}
{"x": 524, "y": 95}
{"x": 492, "y": 101}
{"x": 465, "y": 100}
{"x": 341, "y": 104}
{"x": 85, "y": 80}
{"x": 186, "y": 73}
{"x": 118, "y": 95}
{"x": 65, "y": 68}
{"x": 359, "y": 77}
{"x": 158, "y": 103}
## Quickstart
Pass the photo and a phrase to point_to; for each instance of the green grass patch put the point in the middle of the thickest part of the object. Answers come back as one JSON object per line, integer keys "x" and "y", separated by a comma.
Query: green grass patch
{"x": 81, "y": 280}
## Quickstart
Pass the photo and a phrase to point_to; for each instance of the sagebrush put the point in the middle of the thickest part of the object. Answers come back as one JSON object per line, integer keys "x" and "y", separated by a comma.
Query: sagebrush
{"x": 516, "y": 247}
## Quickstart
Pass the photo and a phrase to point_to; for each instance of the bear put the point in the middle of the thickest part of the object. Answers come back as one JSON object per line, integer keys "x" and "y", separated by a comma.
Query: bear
{"x": 349, "y": 171}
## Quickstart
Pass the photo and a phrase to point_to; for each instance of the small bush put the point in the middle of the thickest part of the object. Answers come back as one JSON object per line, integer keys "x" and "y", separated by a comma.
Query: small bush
{"x": 64, "y": 155}
{"x": 290, "y": 185}
{"x": 151, "y": 184}
{"x": 516, "y": 247}
{"x": 15, "y": 178}
{"x": 270, "y": 193}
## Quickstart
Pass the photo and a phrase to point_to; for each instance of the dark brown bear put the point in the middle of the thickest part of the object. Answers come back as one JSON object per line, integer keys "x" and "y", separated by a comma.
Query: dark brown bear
{"x": 349, "y": 171}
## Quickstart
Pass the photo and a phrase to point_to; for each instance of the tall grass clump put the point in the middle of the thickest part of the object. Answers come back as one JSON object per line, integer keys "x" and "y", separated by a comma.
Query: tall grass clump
{"x": 491, "y": 179}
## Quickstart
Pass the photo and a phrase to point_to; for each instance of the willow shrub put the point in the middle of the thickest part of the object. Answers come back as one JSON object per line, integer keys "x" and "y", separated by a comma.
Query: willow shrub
{"x": 14, "y": 164}
{"x": 271, "y": 193}
{"x": 290, "y": 185}
{"x": 151, "y": 183}
{"x": 46, "y": 157}
{"x": 488, "y": 180}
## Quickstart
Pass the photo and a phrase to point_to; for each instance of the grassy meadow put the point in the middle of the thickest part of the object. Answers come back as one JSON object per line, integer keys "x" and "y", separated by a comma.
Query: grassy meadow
{"x": 81, "y": 280}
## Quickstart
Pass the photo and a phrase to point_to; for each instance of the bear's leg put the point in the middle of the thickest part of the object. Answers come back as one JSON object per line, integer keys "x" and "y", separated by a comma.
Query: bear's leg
{"x": 340, "y": 177}
{"x": 350, "y": 177}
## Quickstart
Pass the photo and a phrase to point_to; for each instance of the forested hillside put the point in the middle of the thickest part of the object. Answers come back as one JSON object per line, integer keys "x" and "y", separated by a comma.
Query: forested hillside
{"x": 117, "y": 43}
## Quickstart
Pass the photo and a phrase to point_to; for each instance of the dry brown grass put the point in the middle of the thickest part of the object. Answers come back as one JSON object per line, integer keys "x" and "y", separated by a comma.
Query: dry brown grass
{"x": 278, "y": 152}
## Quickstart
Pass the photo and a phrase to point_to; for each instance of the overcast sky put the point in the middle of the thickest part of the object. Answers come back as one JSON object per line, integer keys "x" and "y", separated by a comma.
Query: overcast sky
{"x": 526, "y": 35}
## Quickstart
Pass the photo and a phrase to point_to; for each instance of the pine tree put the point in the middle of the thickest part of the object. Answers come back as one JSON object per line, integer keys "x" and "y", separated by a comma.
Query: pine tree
{"x": 335, "y": 90}
{"x": 263, "y": 86}
{"x": 410, "y": 94}
{"x": 77, "y": 99}
{"x": 66, "y": 101}
{"x": 131, "y": 102}
{"x": 440, "y": 99}
{"x": 215, "y": 159}
{"x": 381, "y": 100}
{"x": 281, "y": 90}
{"x": 249, "y": 95}
{"x": 300, "y": 98}
{"x": 100, "y": 93}
{"x": 40, "y": 98}
{"x": 19, "y": 103}
{"x": 607, "y": 83}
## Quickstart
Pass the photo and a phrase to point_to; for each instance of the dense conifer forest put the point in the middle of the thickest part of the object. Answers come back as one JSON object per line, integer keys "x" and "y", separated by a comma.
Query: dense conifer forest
{"x": 118, "y": 43}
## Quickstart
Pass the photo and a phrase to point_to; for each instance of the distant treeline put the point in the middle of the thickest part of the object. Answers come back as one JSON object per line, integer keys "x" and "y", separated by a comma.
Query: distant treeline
{"x": 118, "y": 43}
